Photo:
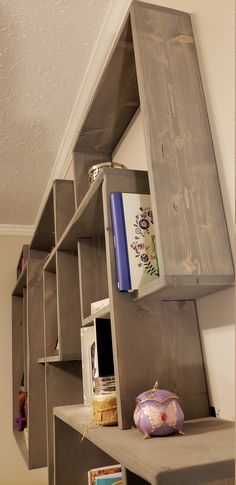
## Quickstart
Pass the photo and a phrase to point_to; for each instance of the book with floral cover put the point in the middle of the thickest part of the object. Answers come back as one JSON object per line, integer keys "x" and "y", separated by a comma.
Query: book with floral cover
{"x": 134, "y": 240}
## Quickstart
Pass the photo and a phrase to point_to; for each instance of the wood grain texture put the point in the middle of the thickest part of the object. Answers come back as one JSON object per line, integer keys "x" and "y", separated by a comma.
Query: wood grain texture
{"x": 44, "y": 235}
{"x": 63, "y": 386}
{"x": 50, "y": 313}
{"x": 69, "y": 312}
{"x": 152, "y": 340}
{"x": 186, "y": 198}
{"x": 92, "y": 272}
{"x": 64, "y": 205}
{"x": 73, "y": 457}
{"x": 17, "y": 354}
{"x": 36, "y": 372}
{"x": 82, "y": 163}
{"x": 87, "y": 221}
{"x": 115, "y": 101}
{"x": 21, "y": 283}
{"x": 207, "y": 448}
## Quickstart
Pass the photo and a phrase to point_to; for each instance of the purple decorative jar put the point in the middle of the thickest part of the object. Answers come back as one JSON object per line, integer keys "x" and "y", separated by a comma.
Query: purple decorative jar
{"x": 158, "y": 413}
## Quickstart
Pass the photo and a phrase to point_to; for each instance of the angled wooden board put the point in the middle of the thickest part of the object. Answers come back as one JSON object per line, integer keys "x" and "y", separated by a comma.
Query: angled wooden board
{"x": 115, "y": 102}
{"x": 184, "y": 184}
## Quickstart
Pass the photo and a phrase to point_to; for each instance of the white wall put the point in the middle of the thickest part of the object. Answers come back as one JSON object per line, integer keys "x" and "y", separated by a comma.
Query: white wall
{"x": 213, "y": 25}
{"x": 13, "y": 470}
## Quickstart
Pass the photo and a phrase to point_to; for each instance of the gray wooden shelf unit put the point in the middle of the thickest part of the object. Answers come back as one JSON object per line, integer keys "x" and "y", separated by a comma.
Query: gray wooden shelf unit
{"x": 24, "y": 256}
{"x": 28, "y": 321}
{"x": 152, "y": 66}
{"x": 27, "y": 346}
{"x": 205, "y": 454}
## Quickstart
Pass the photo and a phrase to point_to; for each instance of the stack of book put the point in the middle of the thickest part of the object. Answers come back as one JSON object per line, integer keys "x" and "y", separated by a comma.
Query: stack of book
{"x": 134, "y": 240}
{"x": 108, "y": 475}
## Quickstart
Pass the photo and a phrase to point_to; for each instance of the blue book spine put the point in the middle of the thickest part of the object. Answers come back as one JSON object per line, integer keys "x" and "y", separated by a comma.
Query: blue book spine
{"x": 120, "y": 242}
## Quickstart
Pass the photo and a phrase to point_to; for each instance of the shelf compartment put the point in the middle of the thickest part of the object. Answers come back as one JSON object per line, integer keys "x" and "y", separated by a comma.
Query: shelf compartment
{"x": 205, "y": 454}
{"x": 24, "y": 256}
{"x": 104, "y": 312}
{"x": 56, "y": 214}
{"x": 27, "y": 340}
{"x": 191, "y": 234}
{"x": 21, "y": 282}
{"x": 50, "y": 309}
{"x": 62, "y": 307}
{"x": 87, "y": 221}
{"x": 63, "y": 386}
{"x": 92, "y": 272}
{"x": 82, "y": 163}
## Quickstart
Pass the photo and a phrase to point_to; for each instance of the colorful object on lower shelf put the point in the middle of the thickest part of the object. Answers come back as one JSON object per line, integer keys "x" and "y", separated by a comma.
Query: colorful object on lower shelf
{"x": 158, "y": 413}
{"x": 103, "y": 472}
{"x": 113, "y": 479}
{"x": 21, "y": 420}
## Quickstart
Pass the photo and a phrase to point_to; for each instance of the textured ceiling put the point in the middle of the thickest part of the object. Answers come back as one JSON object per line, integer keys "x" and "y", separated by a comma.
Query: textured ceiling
{"x": 45, "y": 47}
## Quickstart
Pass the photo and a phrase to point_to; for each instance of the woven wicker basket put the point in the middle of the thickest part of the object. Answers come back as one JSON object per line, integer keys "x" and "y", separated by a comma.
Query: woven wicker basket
{"x": 105, "y": 409}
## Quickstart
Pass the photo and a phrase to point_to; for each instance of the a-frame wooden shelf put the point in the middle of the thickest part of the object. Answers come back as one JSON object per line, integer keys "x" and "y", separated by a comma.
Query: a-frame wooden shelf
{"x": 152, "y": 66}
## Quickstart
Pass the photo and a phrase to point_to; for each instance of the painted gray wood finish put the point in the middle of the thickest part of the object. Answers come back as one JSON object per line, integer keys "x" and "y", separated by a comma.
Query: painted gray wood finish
{"x": 35, "y": 372}
{"x": 75, "y": 459}
{"x": 68, "y": 309}
{"x": 154, "y": 58}
{"x": 115, "y": 101}
{"x": 44, "y": 236}
{"x": 27, "y": 348}
{"x": 185, "y": 191}
{"x": 64, "y": 205}
{"x": 152, "y": 340}
{"x": 56, "y": 214}
{"x": 92, "y": 272}
{"x": 63, "y": 386}
{"x": 204, "y": 455}
{"x": 50, "y": 314}
{"x": 82, "y": 163}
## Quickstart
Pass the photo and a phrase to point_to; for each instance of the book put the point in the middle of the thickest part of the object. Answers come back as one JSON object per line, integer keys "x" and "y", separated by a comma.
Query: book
{"x": 134, "y": 240}
{"x": 103, "y": 471}
{"x": 108, "y": 479}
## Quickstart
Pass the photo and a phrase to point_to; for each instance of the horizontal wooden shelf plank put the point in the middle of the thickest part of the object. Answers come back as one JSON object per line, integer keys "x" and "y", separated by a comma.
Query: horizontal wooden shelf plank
{"x": 183, "y": 287}
{"x": 205, "y": 451}
{"x": 99, "y": 314}
{"x": 57, "y": 358}
{"x": 52, "y": 358}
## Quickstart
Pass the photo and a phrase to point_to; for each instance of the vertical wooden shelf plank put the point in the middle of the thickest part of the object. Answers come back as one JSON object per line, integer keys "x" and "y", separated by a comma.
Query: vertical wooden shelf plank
{"x": 64, "y": 205}
{"x": 187, "y": 204}
{"x": 63, "y": 387}
{"x": 36, "y": 372}
{"x": 69, "y": 312}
